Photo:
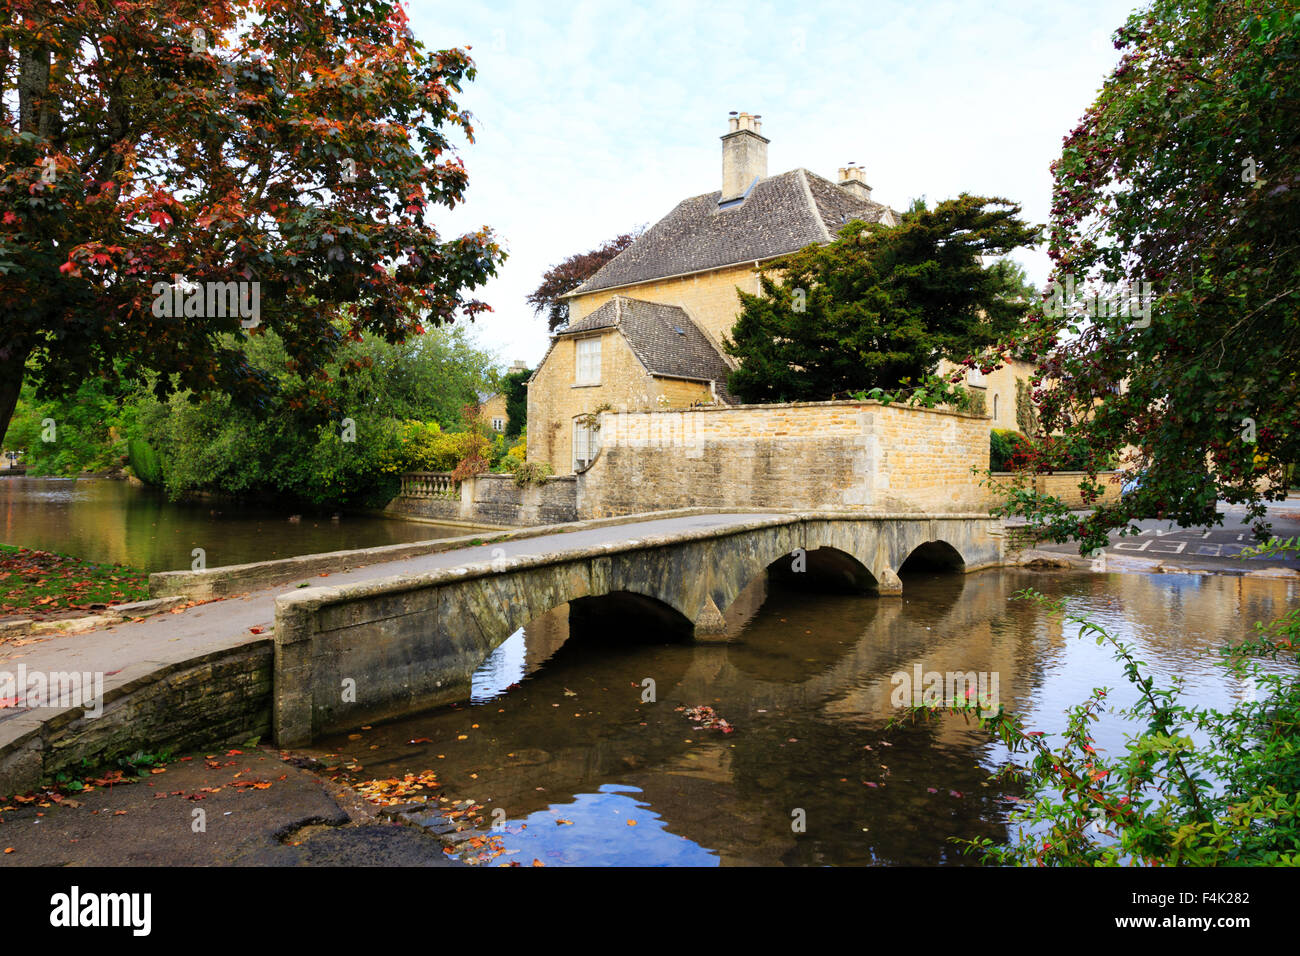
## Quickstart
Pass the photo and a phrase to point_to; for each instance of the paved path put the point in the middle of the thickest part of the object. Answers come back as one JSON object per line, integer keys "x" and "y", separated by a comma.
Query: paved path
{"x": 128, "y": 651}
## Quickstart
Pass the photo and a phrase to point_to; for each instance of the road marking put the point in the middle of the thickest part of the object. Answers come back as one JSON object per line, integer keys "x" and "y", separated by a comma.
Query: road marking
{"x": 1128, "y": 546}
{"x": 1177, "y": 550}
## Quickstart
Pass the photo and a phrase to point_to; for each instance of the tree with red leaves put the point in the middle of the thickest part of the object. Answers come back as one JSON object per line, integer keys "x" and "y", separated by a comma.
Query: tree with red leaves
{"x": 570, "y": 274}
{"x": 282, "y": 153}
{"x": 1182, "y": 180}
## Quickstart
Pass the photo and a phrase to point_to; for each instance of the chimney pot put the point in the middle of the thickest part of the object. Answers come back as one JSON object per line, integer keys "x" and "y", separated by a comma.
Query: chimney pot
{"x": 853, "y": 180}
{"x": 744, "y": 155}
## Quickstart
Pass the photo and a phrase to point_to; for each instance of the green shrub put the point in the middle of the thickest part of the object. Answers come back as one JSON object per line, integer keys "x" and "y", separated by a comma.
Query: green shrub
{"x": 1194, "y": 786}
{"x": 144, "y": 462}
{"x": 531, "y": 472}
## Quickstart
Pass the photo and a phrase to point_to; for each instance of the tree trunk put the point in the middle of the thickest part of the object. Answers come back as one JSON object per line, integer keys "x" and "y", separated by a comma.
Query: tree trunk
{"x": 11, "y": 383}
{"x": 34, "y": 109}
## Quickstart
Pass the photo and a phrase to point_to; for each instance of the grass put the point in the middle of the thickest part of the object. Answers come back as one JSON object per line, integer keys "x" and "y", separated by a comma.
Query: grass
{"x": 44, "y": 582}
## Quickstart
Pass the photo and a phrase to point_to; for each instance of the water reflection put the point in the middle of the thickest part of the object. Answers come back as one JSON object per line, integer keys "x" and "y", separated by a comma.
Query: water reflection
{"x": 573, "y": 832}
{"x": 558, "y": 720}
{"x": 116, "y": 522}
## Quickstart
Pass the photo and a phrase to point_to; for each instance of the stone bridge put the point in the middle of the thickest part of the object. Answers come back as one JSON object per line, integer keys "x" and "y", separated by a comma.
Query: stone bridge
{"x": 382, "y": 647}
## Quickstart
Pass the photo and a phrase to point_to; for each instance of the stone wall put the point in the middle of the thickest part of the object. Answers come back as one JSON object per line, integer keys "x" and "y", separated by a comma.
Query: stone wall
{"x": 495, "y": 500}
{"x": 222, "y": 698}
{"x": 810, "y": 455}
{"x": 1060, "y": 484}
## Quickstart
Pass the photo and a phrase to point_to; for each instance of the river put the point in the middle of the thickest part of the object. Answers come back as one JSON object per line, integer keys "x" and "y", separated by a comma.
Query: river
{"x": 116, "y": 522}
{"x": 561, "y": 741}
{"x": 561, "y": 745}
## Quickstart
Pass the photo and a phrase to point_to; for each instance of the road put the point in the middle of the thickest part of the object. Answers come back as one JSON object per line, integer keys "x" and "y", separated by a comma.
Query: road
{"x": 1215, "y": 548}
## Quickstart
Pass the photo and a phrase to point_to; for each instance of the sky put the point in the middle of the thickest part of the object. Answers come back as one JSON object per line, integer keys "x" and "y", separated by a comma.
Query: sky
{"x": 596, "y": 117}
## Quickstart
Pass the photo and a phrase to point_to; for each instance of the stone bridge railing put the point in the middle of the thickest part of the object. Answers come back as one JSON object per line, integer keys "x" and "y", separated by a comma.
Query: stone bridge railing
{"x": 429, "y": 484}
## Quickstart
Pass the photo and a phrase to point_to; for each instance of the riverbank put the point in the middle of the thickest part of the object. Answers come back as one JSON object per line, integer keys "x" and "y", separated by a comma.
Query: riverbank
{"x": 229, "y": 807}
{"x": 46, "y": 585}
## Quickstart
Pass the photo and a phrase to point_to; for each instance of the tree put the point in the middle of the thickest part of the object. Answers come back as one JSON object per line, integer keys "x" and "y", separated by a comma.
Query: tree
{"x": 281, "y": 155}
{"x": 881, "y": 306}
{"x": 570, "y": 274}
{"x": 87, "y": 431}
{"x": 515, "y": 387}
{"x": 393, "y": 405}
{"x": 1179, "y": 192}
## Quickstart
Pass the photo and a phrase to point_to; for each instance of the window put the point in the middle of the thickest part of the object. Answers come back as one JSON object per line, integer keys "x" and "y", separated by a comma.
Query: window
{"x": 588, "y": 364}
{"x": 995, "y": 407}
{"x": 586, "y": 442}
{"x": 498, "y": 424}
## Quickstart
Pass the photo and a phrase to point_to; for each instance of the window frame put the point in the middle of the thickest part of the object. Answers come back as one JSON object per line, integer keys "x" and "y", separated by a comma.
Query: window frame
{"x": 592, "y": 344}
{"x": 590, "y": 442}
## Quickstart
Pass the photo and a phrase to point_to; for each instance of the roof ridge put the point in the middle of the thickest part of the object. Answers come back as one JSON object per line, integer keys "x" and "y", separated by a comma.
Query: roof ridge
{"x": 812, "y": 203}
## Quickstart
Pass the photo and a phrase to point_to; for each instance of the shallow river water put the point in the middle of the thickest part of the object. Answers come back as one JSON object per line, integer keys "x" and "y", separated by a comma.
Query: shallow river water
{"x": 115, "y": 522}
{"x": 560, "y": 742}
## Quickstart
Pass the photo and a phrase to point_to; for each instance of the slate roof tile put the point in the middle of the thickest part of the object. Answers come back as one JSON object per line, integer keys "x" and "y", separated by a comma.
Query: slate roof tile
{"x": 780, "y": 214}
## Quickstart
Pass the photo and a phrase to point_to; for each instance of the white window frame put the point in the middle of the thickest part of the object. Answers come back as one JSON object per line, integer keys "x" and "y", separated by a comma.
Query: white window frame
{"x": 586, "y": 445}
{"x": 586, "y": 367}
{"x": 498, "y": 424}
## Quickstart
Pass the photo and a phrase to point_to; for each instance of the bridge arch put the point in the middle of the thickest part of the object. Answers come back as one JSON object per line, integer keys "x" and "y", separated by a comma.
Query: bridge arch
{"x": 521, "y": 599}
{"x": 932, "y": 556}
{"x": 823, "y": 569}
{"x": 627, "y": 616}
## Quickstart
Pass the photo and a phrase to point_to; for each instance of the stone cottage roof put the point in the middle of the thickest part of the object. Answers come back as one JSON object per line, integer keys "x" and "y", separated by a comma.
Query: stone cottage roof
{"x": 662, "y": 337}
{"x": 779, "y": 214}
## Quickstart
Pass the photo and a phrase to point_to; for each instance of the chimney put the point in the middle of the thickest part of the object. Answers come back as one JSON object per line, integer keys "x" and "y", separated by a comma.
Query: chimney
{"x": 744, "y": 155}
{"x": 854, "y": 181}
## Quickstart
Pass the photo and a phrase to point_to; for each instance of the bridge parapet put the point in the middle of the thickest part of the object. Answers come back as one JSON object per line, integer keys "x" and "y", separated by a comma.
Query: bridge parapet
{"x": 864, "y": 456}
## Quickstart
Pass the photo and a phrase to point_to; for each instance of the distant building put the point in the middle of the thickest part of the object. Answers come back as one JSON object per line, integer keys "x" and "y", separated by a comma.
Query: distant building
{"x": 493, "y": 404}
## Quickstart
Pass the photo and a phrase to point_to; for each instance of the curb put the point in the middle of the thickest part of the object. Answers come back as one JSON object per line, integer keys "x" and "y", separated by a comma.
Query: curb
{"x": 115, "y": 614}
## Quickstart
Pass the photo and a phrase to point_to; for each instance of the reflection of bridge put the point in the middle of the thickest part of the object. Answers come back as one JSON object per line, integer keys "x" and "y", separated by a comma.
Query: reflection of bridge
{"x": 383, "y": 646}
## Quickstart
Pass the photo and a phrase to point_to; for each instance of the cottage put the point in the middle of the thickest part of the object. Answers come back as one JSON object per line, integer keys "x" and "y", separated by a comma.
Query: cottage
{"x": 645, "y": 332}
